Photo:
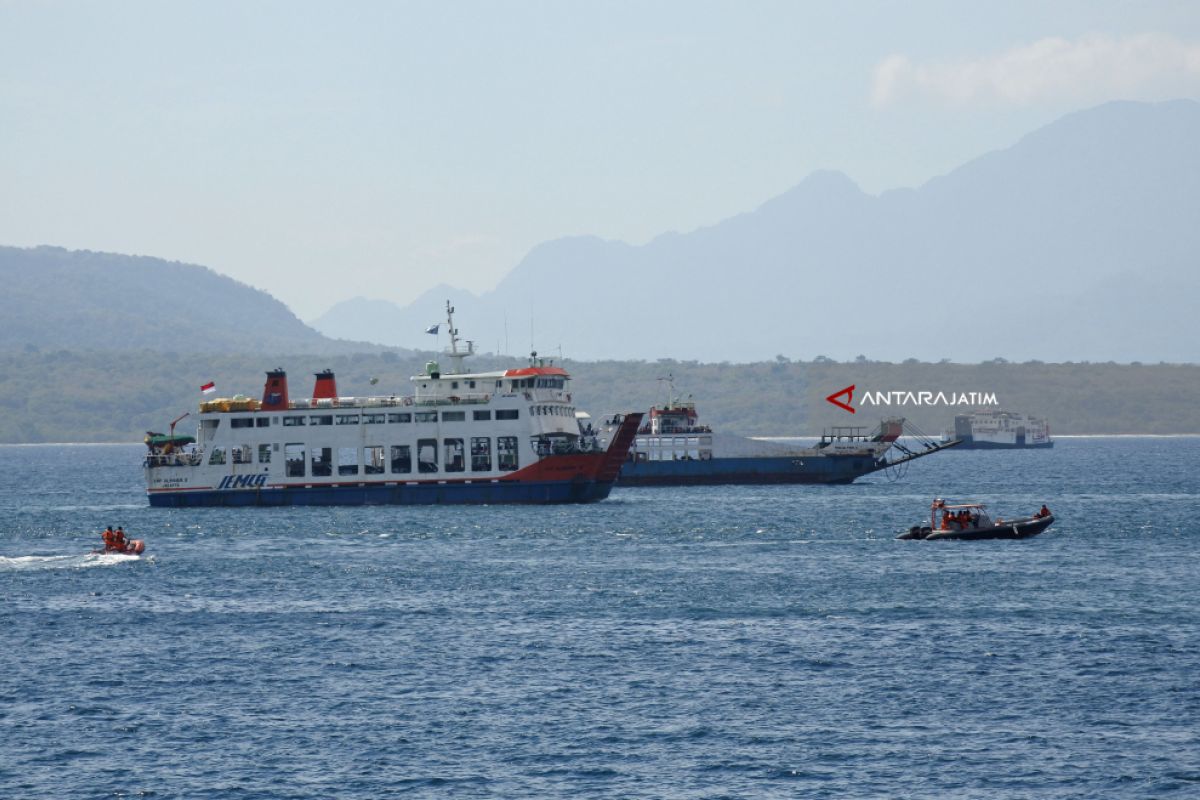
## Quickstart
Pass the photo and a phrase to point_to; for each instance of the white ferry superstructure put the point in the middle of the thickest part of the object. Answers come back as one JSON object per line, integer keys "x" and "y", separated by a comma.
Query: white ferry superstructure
{"x": 507, "y": 436}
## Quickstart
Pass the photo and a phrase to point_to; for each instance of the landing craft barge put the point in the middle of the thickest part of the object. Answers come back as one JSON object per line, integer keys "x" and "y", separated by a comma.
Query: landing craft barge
{"x": 672, "y": 449}
{"x": 999, "y": 430}
{"x": 509, "y": 436}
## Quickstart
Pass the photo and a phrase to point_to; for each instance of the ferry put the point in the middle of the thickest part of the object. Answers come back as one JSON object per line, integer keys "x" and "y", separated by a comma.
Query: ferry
{"x": 508, "y": 436}
{"x": 673, "y": 449}
{"x": 990, "y": 429}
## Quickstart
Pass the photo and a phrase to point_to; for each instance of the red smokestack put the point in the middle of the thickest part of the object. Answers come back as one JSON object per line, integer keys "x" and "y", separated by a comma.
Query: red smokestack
{"x": 275, "y": 394}
{"x": 326, "y": 388}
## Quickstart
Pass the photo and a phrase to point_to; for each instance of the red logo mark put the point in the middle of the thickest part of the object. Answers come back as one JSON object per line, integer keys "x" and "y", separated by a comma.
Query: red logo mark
{"x": 849, "y": 392}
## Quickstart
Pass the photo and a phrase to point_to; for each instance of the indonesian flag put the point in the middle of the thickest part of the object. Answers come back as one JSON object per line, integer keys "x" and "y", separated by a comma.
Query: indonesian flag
{"x": 208, "y": 388}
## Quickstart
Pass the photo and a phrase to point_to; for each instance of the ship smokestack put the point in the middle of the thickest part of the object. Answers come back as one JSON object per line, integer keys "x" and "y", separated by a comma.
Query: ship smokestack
{"x": 275, "y": 391}
{"x": 326, "y": 387}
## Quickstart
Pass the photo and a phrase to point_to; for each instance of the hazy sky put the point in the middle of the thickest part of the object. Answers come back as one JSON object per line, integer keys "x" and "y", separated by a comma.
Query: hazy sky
{"x": 323, "y": 151}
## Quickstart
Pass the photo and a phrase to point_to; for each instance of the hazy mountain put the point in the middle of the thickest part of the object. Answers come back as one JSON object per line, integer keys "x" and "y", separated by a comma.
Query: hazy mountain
{"x": 63, "y": 299}
{"x": 1078, "y": 242}
{"x": 383, "y": 321}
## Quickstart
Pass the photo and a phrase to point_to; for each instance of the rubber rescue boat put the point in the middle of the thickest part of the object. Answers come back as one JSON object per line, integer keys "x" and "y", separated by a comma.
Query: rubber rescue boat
{"x": 971, "y": 521}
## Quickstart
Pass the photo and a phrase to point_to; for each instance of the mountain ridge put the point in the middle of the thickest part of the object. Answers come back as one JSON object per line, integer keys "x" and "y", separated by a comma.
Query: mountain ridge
{"x": 827, "y": 268}
{"x": 59, "y": 298}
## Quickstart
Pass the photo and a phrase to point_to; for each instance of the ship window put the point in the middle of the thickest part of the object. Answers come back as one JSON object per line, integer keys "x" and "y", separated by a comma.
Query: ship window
{"x": 293, "y": 421}
{"x": 454, "y": 416}
{"x": 373, "y": 459}
{"x": 427, "y": 455}
{"x": 508, "y": 413}
{"x": 293, "y": 457}
{"x": 453, "y": 384}
{"x": 406, "y": 417}
{"x": 482, "y": 415}
{"x": 242, "y": 454}
{"x": 401, "y": 458}
{"x": 374, "y": 419}
{"x": 347, "y": 419}
{"x": 264, "y": 454}
{"x": 455, "y": 462}
{"x": 322, "y": 462}
{"x": 321, "y": 419}
{"x": 217, "y": 456}
{"x": 470, "y": 384}
{"x": 499, "y": 384}
{"x": 348, "y": 460}
{"x": 262, "y": 422}
{"x": 426, "y": 416}
{"x": 481, "y": 454}
{"x": 506, "y": 452}
{"x": 241, "y": 422}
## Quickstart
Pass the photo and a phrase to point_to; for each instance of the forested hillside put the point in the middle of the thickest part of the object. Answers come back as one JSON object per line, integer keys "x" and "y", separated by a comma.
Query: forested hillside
{"x": 56, "y": 298}
{"x": 61, "y": 395}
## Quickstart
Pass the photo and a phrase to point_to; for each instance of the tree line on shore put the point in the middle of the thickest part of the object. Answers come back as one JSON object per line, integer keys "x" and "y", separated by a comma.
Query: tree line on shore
{"x": 76, "y": 396}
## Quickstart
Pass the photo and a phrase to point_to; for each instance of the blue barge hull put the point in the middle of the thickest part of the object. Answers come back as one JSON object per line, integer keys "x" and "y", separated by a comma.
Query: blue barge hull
{"x": 754, "y": 470}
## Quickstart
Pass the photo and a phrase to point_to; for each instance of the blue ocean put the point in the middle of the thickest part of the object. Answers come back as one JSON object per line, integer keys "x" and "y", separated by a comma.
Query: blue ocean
{"x": 735, "y": 642}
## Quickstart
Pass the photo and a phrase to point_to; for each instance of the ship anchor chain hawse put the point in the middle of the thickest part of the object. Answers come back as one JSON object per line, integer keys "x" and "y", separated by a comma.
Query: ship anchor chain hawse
{"x": 507, "y": 436}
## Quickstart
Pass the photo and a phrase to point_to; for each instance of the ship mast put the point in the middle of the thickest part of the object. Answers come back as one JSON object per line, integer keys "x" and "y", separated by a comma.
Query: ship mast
{"x": 453, "y": 352}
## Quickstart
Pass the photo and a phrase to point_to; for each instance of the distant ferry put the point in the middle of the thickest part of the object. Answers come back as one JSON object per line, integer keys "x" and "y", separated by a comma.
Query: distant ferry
{"x": 995, "y": 429}
{"x": 508, "y": 436}
{"x": 673, "y": 449}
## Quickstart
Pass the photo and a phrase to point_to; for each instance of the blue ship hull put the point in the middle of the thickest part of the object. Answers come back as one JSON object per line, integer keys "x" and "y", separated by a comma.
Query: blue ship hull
{"x": 506, "y": 492}
{"x": 755, "y": 470}
{"x": 969, "y": 443}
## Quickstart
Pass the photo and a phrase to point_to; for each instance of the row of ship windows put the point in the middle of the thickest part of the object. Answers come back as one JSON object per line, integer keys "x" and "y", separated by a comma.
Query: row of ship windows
{"x": 316, "y": 420}
{"x": 397, "y": 459}
{"x": 678, "y": 441}
{"x": 520, "y": 383}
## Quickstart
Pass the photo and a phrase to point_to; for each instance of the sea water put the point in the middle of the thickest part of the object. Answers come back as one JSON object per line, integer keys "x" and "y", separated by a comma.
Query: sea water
{"x": 685, "y": 643}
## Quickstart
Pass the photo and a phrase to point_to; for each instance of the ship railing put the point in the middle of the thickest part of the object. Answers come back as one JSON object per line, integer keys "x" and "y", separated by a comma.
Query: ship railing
{"x": 352, "y": 402}
{"x": 566, "y": 445}
{"x": 181, "y": 459}
{"x": 454, "y": 400}
{"x": 391, "y": 402}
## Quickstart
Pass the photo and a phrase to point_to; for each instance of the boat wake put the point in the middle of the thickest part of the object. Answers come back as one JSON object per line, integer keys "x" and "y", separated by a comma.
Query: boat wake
{"x": 35, "y": 563}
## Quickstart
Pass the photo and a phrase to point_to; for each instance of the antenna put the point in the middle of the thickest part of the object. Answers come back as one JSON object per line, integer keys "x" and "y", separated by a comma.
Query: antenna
{"x": 454, "y": 354}
{"x": 670, "y": 381}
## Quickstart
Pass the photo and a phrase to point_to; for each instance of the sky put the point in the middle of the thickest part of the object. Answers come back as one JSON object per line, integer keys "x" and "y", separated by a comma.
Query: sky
{"x": 323, "y": 151}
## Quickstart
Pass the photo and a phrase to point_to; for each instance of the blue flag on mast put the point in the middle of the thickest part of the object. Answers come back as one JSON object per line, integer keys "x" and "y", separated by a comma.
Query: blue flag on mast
{"x": 433, "y": 329}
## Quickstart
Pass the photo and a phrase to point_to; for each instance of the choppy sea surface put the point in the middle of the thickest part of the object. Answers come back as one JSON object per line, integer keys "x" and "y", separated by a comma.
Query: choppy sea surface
{"x": 754, "y": 642}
